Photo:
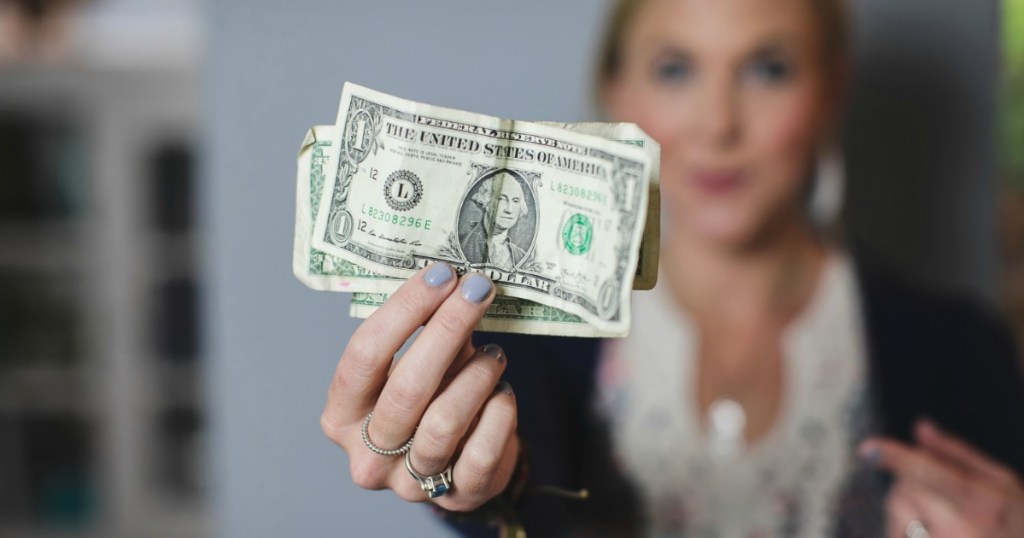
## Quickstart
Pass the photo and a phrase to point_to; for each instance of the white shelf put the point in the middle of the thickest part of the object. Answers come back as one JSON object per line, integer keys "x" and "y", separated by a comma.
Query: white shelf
{"x": 111, "y": 261}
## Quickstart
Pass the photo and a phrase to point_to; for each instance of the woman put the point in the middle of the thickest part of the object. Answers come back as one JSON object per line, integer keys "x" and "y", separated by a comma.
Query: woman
{"x": 771, "y": 386}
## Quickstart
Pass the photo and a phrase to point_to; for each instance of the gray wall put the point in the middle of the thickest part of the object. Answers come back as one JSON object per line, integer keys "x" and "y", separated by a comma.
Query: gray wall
{"x": 919, "y": 146}
{"x": 920, "y": 138}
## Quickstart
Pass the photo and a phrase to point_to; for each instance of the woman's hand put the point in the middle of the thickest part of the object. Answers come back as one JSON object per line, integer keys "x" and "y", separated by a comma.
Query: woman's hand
{"x": 948, "y": 487}
{"x": 442, "y": 390}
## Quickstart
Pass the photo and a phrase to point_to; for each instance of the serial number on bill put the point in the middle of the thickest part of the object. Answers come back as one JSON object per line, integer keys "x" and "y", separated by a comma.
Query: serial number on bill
{"x": 394, "y": 218}
{"x": 589, "y": 195}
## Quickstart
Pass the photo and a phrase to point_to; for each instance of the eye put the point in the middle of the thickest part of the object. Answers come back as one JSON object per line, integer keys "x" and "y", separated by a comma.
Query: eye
{"x": 672, "y": 69}
{"x": 769, "y": 70}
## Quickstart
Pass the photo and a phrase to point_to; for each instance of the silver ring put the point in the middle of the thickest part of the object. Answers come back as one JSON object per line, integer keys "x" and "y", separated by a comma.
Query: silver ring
{"x": 435, "y": 485}
{"x": 378, "y": 450}
{"x": 916, "y": 529}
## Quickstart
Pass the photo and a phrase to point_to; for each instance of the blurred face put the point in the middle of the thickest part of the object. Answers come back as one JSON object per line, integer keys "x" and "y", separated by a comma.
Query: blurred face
{"x": 510, "y": 203}
{"x": 736, "y": 93}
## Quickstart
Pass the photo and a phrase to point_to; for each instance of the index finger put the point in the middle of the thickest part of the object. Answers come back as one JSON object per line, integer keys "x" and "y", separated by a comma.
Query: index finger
{"x": 959, "y": 451}
{"x": 914, "y": 465}
{"x": 363, "y": 368}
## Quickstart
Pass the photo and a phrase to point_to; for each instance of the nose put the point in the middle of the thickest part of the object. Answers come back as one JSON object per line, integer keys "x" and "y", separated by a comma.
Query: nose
{"x": 717, "y": 119}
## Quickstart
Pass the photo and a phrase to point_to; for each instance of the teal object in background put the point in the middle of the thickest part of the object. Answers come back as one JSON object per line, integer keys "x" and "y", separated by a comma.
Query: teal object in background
{"x": 66, "y": 499}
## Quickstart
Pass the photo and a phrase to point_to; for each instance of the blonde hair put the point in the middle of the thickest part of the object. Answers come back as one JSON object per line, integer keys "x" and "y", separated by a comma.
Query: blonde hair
{"x": 832, "y": 14}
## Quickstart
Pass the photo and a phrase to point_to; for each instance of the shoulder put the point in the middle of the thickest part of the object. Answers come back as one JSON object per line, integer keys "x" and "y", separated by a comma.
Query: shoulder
{"x": 944, "y": 355}
{"x": 912, "y": 317}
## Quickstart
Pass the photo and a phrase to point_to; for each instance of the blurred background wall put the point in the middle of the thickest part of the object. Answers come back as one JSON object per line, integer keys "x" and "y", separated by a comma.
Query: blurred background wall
{"x": 920, "y": 139}
{"x": 161, "y": 371}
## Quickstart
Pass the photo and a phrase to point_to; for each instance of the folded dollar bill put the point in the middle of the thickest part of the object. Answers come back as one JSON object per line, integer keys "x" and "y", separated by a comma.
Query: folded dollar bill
{"x": 322, "y": 271}
{"x": 553, "y": 213}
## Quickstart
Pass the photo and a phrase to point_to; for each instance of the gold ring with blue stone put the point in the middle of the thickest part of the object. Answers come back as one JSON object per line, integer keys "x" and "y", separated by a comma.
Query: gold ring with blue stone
{"x": 435, "y": 485}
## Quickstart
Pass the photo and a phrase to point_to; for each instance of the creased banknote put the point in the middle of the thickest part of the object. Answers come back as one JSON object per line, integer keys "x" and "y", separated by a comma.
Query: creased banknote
{"x": 507, "y": 314}
{"x": 510, "y": 260}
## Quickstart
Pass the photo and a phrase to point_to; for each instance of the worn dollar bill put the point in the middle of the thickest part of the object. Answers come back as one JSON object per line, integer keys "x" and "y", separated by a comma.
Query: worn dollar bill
{"x": 550, "y": 215}
{"x": 321, "y": 271}
{"x": 313, "y": 267}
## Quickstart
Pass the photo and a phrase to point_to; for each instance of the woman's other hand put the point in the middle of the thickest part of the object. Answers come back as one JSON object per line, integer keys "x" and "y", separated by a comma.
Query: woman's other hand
{"x": 443, "y": 390}
{"x": 948, "y": 487}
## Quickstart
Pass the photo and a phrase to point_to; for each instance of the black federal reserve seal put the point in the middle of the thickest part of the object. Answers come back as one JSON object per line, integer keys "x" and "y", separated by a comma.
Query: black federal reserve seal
{"x": 403, "y": 190}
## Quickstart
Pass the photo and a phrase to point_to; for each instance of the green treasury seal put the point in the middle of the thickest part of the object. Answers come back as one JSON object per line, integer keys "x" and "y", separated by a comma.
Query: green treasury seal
{"x": 577, "y": 233}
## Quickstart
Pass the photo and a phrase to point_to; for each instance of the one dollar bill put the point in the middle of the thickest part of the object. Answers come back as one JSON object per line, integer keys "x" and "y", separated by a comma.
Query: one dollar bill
{"x": 321, "y": 271}
{"x": 553, "y": 216}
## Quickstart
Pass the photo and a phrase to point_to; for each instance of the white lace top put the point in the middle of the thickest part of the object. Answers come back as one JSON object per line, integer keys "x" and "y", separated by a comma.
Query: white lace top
{"x": 788, "y": 483}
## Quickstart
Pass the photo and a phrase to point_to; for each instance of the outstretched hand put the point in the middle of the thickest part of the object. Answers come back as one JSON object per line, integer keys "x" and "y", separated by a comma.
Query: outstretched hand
{"x": 443, "y": 393}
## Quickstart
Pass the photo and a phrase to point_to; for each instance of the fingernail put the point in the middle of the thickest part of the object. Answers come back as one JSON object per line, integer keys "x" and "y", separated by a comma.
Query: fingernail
{"x": 872, "y": 455}
{"x": 476, "y": 288}
{"x": 503, "y": 387}
{"x": 438, "y": 275}
{"x": 494, "y": 350}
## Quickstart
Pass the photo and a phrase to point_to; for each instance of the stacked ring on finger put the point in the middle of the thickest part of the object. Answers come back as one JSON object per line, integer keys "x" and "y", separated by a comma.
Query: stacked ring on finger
{"x": 435, "y": 485}
{"x": 378, "y": 450}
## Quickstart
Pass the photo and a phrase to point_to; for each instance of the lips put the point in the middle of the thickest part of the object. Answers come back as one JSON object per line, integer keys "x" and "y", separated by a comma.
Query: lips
{"x": 717, "y": 182}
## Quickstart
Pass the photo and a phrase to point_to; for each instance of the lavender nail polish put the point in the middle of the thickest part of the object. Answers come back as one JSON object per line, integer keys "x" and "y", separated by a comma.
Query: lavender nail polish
{"x": 476, "y": 288}
{"x": 438, "y": 275}
{"x": 494, "y": 350}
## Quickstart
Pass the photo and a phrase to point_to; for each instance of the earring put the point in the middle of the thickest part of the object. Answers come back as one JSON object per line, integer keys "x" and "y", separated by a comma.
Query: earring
{"x": 829, "y": 188}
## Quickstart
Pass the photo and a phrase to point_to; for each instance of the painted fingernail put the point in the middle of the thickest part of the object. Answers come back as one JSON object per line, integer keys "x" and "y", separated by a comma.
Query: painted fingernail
{"x": 438, "y": 275}
{"x": 493, "y": 350}
{"x": 476, "y": 288}
{"x": 872, "y": 455}
{"x": 503, "y": 387}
